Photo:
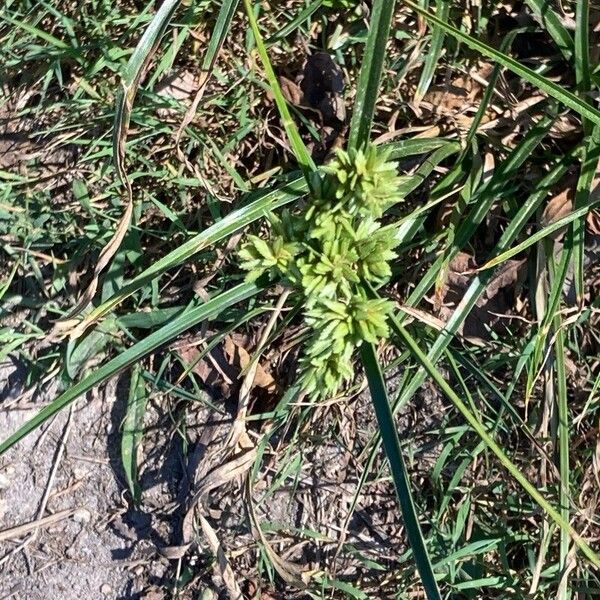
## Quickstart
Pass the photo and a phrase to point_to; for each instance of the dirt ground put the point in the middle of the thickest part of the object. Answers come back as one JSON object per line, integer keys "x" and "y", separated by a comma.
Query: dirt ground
{"x": 85, "y": 550}
{"x": 80, "y": 536}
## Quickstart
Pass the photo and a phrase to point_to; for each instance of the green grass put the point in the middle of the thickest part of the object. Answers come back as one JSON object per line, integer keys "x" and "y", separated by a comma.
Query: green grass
{"x": 105, "y": 241}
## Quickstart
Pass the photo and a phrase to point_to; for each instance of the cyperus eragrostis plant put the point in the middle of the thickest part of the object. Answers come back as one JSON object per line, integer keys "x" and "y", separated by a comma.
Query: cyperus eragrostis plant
{"x": 327, "y": 254}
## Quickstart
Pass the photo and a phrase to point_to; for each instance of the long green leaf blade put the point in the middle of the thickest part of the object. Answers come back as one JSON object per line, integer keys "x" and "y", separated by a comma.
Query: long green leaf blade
{"x": 478, "y": 285}
{"x": 370, "y": 73}
{"x": 220, "y": 230}
{"x": 582, "y": 48}
{"x": 391, "y": 444}
{"x": 133, "y": 428}
{"x": 548, "y": 18}
{"x": 132, "y": 76}
{"x": 433, "y": 54}
{"x": 493, "y": 445}
{"x": 541, "y": 234}
{"x": 300, "y": 150}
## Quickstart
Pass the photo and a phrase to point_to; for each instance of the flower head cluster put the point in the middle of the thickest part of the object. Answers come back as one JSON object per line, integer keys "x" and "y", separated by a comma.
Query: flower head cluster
{"x": 327, "y": 253}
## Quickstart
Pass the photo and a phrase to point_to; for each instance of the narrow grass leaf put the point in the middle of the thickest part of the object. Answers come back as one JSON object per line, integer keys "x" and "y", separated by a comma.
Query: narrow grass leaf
{"x": 589, "y": 166}
{"x": 217, "y": 39}
{"x": 133, "y": 430}
{"x": 219, "y": 33}
{"x": 391, "y": 444}
{"x": 541, "y": 234}
{"x": 563, "y": 438}
{"x": 220, "y": 230}
{"x": 482, "y": 201}
{"x": 547, "y": 17}
{"x": 478, "y": 285}
{"x": 298, "y": 147}
{"x": 35, "y": 31}
{"x": 414, "y": 146}
{"x": 434, "y": 52}
{"x": 370, "y": 73}
{"x": 582, "y": 48}
{"x": 132, "y": 77}
{"x": 488, "y": 93}
{"x": 294, "y": 23}
{"x": 493, "y": 446}
{"x": 572, "y": 250}
{"x": 426, "y": 168}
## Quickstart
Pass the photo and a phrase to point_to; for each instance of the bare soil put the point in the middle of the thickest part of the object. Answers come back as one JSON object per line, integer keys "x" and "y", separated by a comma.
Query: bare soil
{"x": 89, "y": 541}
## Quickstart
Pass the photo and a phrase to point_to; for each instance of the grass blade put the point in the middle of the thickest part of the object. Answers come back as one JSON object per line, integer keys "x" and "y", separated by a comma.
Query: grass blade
{"x": 573, "y": 248}
{"x": 299, "y": 148}
{"x": 412, "y": 146}
{"x": 132, "y": 76}
{"x": 133, "y": 354}
{"x": 434, "y": 52}
{"x": 552, "y": 89}
{"x": 583, "y": 81}
{"x": 589, "y": 164}
{"x": 35, "y": 31}
{"x": 541, "y": 234}
{"x": 370, "y": 73}
{"x": 582, "y": 48}
{"x": 224, "y": 18}
{"x": 133, "y": 428}
{"x": 217, "y": 39}
{"x": 478, "y": 285}
{"x": 391, "y": 444}
{"x": 293, "y": 24}
{"x": 131, "y": 79}
{"x": 427, "y": 167}
{"x": 563, "y": 437}
{"x": 220, "y": 230}
{"x": 551, "y": 23}
{"x": 482, "y": 201}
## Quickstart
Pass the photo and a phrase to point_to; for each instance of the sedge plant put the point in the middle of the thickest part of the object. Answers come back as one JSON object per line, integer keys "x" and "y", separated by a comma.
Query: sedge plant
{"x": 326, "y": 252}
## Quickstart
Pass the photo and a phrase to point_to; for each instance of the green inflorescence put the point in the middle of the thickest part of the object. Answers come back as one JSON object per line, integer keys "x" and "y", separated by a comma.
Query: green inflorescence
{"x": 327, "y": 254}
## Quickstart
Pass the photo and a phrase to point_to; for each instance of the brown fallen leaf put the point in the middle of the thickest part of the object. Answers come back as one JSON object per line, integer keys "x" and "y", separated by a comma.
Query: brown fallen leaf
{"x": 506, "y": 274}
{"x": 291, "y": 91}
{"x": 454, "y": 275}
{"x": 558, "y": 206}
{"x": 240, "y": 358}
{"x": 593, "y": 221}
{"x": 221, "y": 368}
{"x": 70, "y": 325}
{"x": 458, "y": 94}
{"x": 493, "y": 303}
{"x": 180, "y": 85}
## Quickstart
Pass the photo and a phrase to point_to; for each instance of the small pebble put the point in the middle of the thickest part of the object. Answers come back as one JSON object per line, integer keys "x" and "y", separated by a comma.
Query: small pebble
{"x": 105, "y": 589}
{"x": 82, "y": 515}
{"x": 4, "y": 482}
{"x": 80, "y": 472}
